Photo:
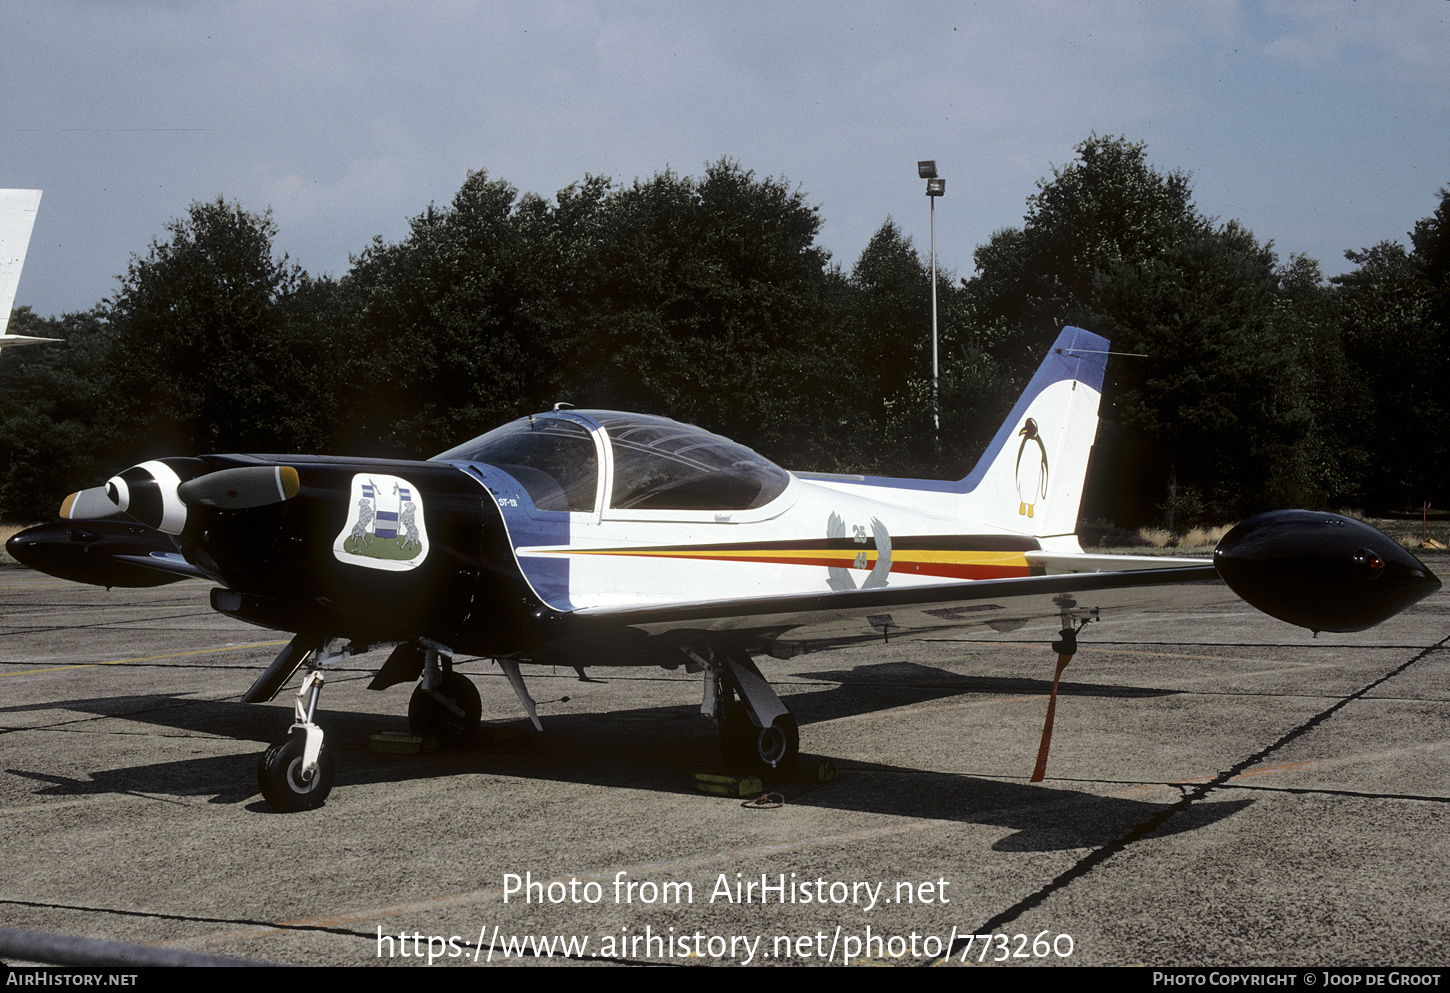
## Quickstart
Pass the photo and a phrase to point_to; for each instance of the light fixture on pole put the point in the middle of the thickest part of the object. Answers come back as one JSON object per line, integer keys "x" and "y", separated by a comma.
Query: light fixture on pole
{"x": 934, "y": 188}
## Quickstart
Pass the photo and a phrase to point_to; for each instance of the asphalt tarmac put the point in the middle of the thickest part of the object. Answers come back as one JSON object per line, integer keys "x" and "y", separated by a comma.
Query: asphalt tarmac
{"x": 1223, "y": 790}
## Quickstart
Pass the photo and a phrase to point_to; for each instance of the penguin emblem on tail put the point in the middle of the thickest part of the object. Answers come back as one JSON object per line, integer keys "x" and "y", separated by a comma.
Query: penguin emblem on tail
{"x": 1031, "y": 479}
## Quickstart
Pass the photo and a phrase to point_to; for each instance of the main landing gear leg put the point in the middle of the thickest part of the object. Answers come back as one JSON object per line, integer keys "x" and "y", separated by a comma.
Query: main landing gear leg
{"x": 446, "y": 703}
{"x": 297, "y": 774}
{"x": 757, "y": 731}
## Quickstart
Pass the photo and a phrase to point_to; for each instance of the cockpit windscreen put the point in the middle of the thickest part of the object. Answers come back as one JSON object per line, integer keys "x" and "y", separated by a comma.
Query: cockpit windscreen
{"x": 659, "y": 464}
{"x": 552, "y": 458}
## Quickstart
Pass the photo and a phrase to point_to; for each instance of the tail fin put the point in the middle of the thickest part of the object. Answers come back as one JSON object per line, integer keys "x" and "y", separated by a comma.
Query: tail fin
{"x": 17, "y": 217}
{"x": 1030, "y": 479}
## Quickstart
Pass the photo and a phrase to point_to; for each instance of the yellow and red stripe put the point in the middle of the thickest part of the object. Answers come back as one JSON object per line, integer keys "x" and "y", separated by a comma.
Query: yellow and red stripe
{"x": 951, "y": 557}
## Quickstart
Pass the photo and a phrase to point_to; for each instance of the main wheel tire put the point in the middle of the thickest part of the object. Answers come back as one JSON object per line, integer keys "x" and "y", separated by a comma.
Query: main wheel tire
{"x": 427, "y": 716}
{"x": 770, "y": 751}
{"x": 279, "y": 774}
{"x": 778, "y": 746}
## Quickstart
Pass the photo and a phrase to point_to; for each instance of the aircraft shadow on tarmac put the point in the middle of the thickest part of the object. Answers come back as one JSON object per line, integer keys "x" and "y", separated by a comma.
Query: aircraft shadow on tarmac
{"x": 928, "y": 682}
{"x": 652, "y": 749}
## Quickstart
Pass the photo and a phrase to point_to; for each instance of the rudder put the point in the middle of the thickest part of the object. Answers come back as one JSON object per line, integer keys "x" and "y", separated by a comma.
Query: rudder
{"x": 1030, "y": 479}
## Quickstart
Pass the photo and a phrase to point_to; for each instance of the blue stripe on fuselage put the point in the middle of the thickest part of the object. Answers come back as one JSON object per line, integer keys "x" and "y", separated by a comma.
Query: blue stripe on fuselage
{"x": 528, "y": 526}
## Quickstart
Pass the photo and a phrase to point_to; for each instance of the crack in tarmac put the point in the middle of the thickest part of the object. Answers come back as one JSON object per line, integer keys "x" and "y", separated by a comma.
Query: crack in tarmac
{"x": 190, "y": 918}
{"x": 1324, "y": 791}
{"x": 1096, "y": 858}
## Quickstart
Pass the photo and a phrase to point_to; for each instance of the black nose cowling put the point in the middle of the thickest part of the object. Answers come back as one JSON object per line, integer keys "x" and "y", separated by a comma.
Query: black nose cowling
{"x": 1321, "y": 571}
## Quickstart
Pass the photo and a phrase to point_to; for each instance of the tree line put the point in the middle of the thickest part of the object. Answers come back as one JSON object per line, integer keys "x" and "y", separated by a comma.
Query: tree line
{"x": 707, "y": 299}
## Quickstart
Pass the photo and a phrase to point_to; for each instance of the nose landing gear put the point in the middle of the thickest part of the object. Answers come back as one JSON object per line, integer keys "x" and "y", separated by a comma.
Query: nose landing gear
{"x": 297, "y": 774}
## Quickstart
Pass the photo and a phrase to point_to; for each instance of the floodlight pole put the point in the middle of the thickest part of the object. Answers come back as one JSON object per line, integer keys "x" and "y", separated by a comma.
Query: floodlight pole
{"x": 935, "y": 372}
{"x": 934, "y": 188}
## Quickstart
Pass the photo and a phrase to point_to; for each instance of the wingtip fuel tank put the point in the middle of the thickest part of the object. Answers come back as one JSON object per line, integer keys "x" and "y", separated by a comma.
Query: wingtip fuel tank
{"x": 1321, "y": 571}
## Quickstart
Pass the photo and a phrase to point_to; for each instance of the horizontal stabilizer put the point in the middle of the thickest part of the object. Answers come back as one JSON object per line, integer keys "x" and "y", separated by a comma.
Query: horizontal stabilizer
{"x": 24, "y": 339}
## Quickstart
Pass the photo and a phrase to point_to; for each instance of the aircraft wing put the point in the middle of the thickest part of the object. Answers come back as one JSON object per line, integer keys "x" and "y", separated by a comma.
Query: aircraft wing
{"x": 785, "y": 626}
{"x": 1320, "y": 571}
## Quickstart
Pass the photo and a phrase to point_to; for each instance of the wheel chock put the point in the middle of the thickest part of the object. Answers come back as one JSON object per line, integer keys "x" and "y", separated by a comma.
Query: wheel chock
{"x": 815, "y": 769}
{"x": 717, "y": 784}
{"x": 401, "y": 743}
{"x": 809, "y": 769}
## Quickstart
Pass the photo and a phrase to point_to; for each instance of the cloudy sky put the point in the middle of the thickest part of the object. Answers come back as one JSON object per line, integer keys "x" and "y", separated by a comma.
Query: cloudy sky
{"x": 1320, "y": 125}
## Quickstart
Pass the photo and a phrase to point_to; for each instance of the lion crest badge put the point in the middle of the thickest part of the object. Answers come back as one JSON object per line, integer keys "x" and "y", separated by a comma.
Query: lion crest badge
{"x": 385, "y": 528}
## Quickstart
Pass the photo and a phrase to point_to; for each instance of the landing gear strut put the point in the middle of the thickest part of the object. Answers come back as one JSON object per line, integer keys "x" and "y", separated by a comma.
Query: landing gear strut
{"x": 297, "y": 773}
{"x": 758, "y": 732}
{"x": 446, "y": 703}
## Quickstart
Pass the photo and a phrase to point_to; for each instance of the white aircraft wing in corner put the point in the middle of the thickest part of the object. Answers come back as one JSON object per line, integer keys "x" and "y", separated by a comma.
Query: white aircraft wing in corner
{"x": 17, "y": 218}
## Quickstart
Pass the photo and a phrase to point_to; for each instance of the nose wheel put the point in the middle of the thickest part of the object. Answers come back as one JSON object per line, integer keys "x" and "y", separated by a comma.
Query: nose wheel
{"x": 297, "y": 772}
{"x": 287, "y": 785}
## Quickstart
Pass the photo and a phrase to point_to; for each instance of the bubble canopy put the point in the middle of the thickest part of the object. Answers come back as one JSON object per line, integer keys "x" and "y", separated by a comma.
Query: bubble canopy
{"x": 655, "y": 463}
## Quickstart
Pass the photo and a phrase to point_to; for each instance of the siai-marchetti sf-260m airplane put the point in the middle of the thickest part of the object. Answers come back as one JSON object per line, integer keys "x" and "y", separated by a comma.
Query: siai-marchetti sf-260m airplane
{"x": 588, "y": 538}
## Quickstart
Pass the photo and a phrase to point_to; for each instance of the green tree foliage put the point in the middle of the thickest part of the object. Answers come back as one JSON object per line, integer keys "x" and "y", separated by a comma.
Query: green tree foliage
{"x": 1107, "y": 211}
{"x": 1431, "y": 241}
{"x": 1396, "y": 349}
{"x": 1331, "y": 460}
{"x": 1210, "y": 421}
{"x": 57, "y": 425}
{"x": 441, "y": 338}
{"x": 708, "y": 299}
{"x": 1228, "y": 410}
{"x": 892, "y": 310}
{"x": 204, "y": 354}
{"x": 889, "y": 333}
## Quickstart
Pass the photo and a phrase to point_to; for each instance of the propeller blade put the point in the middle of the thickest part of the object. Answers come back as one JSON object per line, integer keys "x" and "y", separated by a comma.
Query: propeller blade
{"x": 239, "y": 489}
